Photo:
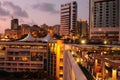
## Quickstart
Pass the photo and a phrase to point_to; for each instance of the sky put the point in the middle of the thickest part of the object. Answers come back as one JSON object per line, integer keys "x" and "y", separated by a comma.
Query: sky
{"x": 36, "y": 11}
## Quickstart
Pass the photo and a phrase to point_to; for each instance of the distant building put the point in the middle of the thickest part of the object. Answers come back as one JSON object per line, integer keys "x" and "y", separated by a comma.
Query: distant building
{"x": 35, "y": 29}
{"x": 104, "y": 20}
{"x": 14, "y": 24}
{"x": 13, "y": 34}
{"x": 15, "y": 31}
{"x": 25, "y": 29}
{"x": 44, "y": 26}
{"x": 56, "y": 29}
{"x": 82, "y": 28}
{"x": 68, "y": 19}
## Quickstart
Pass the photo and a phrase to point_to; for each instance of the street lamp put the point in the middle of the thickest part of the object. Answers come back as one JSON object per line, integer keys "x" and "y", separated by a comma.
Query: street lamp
{"x": 83, "y": 41}
{"x": 105, "y": 42}
{"x": 78, "y": 60}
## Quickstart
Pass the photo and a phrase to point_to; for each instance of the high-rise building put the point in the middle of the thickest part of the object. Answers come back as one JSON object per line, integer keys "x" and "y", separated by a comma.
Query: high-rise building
{"x": 105, "y": 19}
{"x": 82, "y": 28}
{"x": 68, "y": 19}
{"x": 14, "y": 24}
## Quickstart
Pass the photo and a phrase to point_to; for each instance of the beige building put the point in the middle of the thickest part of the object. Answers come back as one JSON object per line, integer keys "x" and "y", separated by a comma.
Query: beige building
{"x": 55, "y": 60}
{"x": 21, "y": 56}
{"x": 13, "y": 34}
{"x": 56, "y": 29}
{"x": 104, "y": 20}
{"x": 25, "y": 29}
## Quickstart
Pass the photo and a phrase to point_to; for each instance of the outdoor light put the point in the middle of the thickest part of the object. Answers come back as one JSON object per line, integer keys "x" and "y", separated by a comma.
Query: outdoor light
{"x": 105, "y": 42}
{"x": 78, "y": 60}
{"x": 72, "y": 53}
{"x": 83, "y": 41}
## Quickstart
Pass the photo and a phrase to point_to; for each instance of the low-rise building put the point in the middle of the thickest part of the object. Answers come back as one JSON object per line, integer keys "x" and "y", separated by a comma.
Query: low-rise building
{"x": 21, "y": 56}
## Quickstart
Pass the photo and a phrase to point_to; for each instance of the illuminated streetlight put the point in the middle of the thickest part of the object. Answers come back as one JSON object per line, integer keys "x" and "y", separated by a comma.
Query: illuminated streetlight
{"x": 83, "y": 41}
{"x": 72, "y": 53}
{"x": 78, "y": 60}
{"x": 105, "y": 42}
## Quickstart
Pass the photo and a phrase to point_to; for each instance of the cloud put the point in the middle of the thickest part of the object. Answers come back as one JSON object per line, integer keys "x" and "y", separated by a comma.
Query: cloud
{"x": 3, "y": 12}
{"x": 3, "y": 19}
{"x": 31, "y": 23}
{"x": 15, "y": 10}
{"x": 46, "y": 7}
{"x": 21, "y": 20}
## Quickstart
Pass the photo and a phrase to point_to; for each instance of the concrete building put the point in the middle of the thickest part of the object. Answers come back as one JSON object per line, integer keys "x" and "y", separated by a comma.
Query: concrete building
{"x": 31, "y": 56}
{"x": 15, "y": 31}
{"x": 14, "y": 24}
{"x": 68, "y": 19}
{"x": 56, "y": 29}
{"x": 13, "y": 34}
{"x": 23, "y": 56}
{"x": 105, "y": 19}
{"x": 82, "y": 28}
{"x": 55, "y": 59}
{"x": 25, "y": 29}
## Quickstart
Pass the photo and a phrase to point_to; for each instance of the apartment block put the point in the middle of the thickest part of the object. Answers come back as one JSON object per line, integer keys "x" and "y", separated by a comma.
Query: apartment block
{"x": 104, "y": 19}
{"x": 68, "y": 19}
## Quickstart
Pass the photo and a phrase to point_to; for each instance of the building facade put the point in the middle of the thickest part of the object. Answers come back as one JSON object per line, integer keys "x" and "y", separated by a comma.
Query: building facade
{"x": 82, "y": 28}
{"x": 14, "y": 24}
{"x": 55, "y": 59}
{"x": 13, "y": 34}
{"x": 25, "y": 29}
{"x": 56, "y": 29}
{"x": 23, "y": 56}
{"x": 68, "y": 19}
{"x": 104, "y": 19}
{"x": 33, "y": 57}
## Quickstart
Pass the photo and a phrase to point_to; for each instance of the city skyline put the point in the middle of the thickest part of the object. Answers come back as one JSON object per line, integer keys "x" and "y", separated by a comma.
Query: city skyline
{"x": 36, "y": 12}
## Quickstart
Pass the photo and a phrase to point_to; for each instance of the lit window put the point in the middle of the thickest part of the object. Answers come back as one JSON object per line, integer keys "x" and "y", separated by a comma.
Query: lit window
{"x": 2, "y": 53}
{"x": 24, "y": 58}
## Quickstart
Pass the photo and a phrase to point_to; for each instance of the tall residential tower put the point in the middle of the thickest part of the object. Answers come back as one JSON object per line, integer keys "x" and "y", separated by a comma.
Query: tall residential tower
{"x": 68, "y": 19}
{"x": 105, "y": 19}
{"x": 14, "y": 24}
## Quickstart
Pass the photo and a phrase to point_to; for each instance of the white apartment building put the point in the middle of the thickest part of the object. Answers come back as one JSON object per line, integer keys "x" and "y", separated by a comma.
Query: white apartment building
{"x": 68, "y": 19}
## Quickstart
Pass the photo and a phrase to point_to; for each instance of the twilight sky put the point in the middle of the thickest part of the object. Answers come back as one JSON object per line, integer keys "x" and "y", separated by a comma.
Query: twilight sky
{"x": 36, "y": 11}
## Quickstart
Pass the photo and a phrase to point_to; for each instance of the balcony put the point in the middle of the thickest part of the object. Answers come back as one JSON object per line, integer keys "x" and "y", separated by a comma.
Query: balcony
{"x": 72, "y": 71}
{"x": 74, "y": 68}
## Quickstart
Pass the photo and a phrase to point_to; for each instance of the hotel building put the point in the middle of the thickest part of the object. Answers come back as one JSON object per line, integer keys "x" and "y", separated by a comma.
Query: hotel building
{"x": 104, "y": 19}
{"x": 23, "y": 56}
{"x": 68, "y": 19}
{"x": 29, "y": 56}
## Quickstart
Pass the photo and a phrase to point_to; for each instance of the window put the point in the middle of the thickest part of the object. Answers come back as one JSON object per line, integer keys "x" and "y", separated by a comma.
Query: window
{"x": 2, "y": 53}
